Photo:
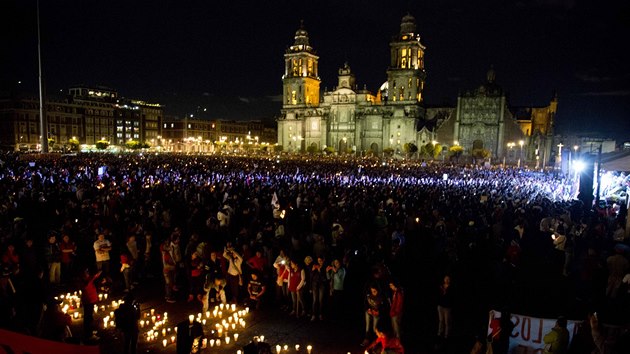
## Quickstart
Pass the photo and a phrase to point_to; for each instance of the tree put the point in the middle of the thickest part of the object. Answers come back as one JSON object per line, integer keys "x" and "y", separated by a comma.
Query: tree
{"x": 51, "y": 142}
{"x": 455, "y": 151}
{"x": 133, "y": 144}
{"x": 480, "y": 153}
{"x": 329, "y": 150}
{"x": 74, "y": 144}
{"x": 312, "y": 149}
{"x": 388, "y": 151}
{"x": 278, "y": 148}
{"x": 410, "y": 149}
{"x": 102, "y": 144}
{"x": 437, "y": 151}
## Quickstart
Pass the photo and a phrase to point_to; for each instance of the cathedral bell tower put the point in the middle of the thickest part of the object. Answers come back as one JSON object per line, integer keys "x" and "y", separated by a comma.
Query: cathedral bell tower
{"x": 300, "y": 80}
{"x": 406, "y": 75}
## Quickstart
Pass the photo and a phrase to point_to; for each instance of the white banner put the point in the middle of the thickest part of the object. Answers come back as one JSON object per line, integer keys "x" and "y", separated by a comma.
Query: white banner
{"x": 528, "y": 332}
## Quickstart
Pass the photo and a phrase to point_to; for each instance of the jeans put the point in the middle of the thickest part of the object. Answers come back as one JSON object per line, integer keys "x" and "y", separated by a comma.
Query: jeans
{"x": 318, "y": 300}
{"x": 130, "y": 341}
{"x": 370, "y": 323}
{"x": 298, "y": 302}
{"x": 396, "y": 320}
{"x": 169, "y": 274}
{"x": 127, "y": 276}
{"x": 445, "y": 321}
{"x": 54, "y": 272}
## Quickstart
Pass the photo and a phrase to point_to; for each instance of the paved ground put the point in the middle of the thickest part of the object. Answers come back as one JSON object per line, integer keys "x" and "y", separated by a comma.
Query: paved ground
{"x": 343, "y": 335}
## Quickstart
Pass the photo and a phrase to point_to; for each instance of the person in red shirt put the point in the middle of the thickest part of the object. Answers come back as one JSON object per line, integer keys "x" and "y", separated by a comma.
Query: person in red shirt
{"x": 385, "y": 341}
{"x": 90, "y": 298}
{"x": 68, "y": 250}
{"x": 396, "y": 306}
{"x": 257, "y": 262}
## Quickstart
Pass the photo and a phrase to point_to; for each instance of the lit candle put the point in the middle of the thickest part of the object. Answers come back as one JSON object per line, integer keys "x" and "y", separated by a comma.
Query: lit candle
{"x": 152, "y": 312}
{"x": 105, "y": 296}
{"x": 207, "y": 314}
{"x": 163, "y": 331}
{"x": 309, "y": 348}
{"x": 212, "y": 342}
{"x": 76, "y": 315}
{"x": 165, "y": 315}
{"x": 153, "y": 319}
{"x": 297, "y": 347}
{"x": 247, "y": 310}
{"x": 227, "y": 340}
{"x": 111, "y": 323}
{"x": 204, "y": 343}
{"x": 235, "y": 337}
{"x": 111, "y": 314}
{"x": 191, "y": 318}
{"x": 230, "y": 319}
{"x": 142, "y": 323}
{"x": 164, "y": 343}
{"x": 100, "y": 297}
{"x": 262, "y": 338}
{"x": 233, "y": 326}
{"x": 233, "y": 307}
{"x": 218, "y": 342}
{"x": 203, "y": 322}
{"x": 278, "y": 348}
{"x": 238, "y": 352}
{"x": 221, "y": 306}
{"x": 286, "y": 347}
{"x": 172, "y": 339}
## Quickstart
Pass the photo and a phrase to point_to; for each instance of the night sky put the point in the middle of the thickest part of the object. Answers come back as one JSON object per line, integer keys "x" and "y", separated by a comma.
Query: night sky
{"x": 227, "y": 56}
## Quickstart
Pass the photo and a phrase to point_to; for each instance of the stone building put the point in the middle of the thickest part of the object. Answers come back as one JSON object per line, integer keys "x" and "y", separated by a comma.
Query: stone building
{"x": 353, "y": 120}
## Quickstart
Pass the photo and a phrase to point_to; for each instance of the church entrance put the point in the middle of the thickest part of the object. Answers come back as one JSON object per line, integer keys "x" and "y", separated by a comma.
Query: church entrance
{"x": 374, "y": 148}
{"x": 343, "y": 146}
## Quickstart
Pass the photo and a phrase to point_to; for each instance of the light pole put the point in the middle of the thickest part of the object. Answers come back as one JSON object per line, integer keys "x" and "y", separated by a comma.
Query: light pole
{"x": 520, "y": 156}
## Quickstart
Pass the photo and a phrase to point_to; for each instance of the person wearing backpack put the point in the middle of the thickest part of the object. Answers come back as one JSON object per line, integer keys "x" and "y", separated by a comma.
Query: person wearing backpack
{"x": 127, "y": 316}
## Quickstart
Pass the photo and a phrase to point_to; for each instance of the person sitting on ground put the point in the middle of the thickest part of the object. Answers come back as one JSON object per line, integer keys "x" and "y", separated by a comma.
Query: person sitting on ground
{"x": 386, "y": 342}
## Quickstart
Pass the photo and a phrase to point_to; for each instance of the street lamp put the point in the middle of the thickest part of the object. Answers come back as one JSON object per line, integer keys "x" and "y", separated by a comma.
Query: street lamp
{"x": 510, "y": 146}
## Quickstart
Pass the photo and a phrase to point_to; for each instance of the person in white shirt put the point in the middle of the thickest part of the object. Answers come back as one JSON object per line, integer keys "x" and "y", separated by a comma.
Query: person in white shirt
{"x": 102, "y": 247}
{"x": 234, "y": 271}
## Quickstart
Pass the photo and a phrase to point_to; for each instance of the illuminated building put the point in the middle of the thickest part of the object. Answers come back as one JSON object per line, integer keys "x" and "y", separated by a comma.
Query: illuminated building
{"x": 353, "y": 120}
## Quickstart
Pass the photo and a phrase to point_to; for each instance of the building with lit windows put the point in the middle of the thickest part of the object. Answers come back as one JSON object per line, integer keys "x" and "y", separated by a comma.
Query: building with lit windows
{"x": 189, "y": 134}
{"x": 353, "y": 120}
{"x": 20, "y": 123}
{"x": 87, "y": 114}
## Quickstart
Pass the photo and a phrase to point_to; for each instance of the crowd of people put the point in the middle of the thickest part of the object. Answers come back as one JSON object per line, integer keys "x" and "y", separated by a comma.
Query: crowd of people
{"x": 319, "y": 238}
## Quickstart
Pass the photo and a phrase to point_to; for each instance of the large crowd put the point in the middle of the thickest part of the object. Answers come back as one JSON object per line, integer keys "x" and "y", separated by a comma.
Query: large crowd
{"x": 321, "y": 238}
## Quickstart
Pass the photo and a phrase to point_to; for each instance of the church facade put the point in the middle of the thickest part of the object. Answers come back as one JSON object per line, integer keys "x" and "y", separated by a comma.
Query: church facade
{"x": 352, "y": 120}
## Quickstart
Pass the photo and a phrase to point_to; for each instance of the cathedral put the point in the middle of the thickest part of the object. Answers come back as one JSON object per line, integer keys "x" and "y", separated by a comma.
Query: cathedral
{"x": 352, "y": 120}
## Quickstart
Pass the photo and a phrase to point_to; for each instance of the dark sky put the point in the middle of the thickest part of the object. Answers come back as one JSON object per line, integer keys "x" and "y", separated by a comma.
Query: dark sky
{"x": 228, "y": 55}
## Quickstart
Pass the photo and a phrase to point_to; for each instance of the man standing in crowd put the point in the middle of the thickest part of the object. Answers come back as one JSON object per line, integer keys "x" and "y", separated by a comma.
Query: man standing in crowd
{"x": 102, "y": 246}
{"x": 53, "y": 258}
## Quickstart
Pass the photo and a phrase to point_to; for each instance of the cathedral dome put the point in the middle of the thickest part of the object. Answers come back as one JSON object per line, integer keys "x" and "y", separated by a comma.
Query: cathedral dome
{"x": 301, "y": 36}
{"x": 408, "y": 24}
